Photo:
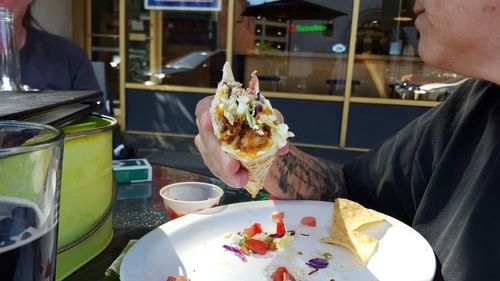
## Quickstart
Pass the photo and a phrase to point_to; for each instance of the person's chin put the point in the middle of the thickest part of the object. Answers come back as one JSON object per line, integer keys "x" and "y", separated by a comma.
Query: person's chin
{"x": 429, "y": 55}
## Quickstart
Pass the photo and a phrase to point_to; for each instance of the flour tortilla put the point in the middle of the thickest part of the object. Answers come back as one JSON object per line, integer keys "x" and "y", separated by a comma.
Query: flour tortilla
{"x": 257, "y": 164}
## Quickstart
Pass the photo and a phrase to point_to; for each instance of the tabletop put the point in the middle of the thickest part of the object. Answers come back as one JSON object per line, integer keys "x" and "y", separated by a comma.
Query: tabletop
{"x": 138, "y": 209}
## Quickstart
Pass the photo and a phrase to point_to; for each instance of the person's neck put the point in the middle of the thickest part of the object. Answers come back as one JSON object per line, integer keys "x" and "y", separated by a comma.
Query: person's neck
{"x": 20, "y": 35}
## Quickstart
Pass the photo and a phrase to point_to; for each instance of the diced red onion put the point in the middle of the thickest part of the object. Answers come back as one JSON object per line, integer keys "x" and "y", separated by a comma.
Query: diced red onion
{"x": 317, "y": 263}
{"x": 276, "y": 235}
{"x": 236, "y": 251}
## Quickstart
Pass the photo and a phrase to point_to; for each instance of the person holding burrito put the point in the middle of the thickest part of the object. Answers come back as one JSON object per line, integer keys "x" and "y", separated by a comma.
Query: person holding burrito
{"x": 440, "y": 173}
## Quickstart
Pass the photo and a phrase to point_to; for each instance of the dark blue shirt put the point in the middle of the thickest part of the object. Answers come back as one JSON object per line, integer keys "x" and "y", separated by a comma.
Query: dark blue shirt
{"x": 50, "y": 62}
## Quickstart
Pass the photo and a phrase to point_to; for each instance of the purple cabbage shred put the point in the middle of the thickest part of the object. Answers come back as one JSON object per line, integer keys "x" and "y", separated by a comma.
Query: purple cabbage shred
{"x": 259, "y": 108}
{"x": 236, "y": 251}
{"x": 317, "y": 263}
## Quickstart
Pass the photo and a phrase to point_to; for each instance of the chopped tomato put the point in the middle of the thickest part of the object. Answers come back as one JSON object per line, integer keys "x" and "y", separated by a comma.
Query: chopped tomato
{"x": 179, "y": 278}
{"x": 256, "y": 228}
{"x": 245, "y": 250}
{"x": 309, "y": 221}
{"x": 278, "y": 215}
{"x": 257, "y": 246}
{"x": 280, "y": 228}
{"x": 282, "y": 274}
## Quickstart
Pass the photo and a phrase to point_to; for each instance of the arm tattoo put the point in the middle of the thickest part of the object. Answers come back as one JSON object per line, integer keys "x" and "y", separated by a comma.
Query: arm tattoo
{"x": 303, "y": 176}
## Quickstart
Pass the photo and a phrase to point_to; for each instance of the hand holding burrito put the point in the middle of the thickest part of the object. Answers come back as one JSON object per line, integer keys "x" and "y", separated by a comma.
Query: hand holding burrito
{"x": 245, "y": 127}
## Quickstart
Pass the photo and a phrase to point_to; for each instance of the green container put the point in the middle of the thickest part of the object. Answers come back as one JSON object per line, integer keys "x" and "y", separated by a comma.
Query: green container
{"x": 85, "y": 227}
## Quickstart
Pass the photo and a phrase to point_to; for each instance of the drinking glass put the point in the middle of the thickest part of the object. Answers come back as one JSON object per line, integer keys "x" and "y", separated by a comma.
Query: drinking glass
{"x": 30, "y": 181}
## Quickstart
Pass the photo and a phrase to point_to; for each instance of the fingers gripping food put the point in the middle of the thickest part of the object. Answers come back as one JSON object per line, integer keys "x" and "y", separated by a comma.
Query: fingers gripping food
{"x": 246, "y": 127}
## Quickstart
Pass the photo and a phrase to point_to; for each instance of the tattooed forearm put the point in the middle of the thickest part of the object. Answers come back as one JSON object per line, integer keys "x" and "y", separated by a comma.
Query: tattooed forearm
{"x": 301, "y": 176}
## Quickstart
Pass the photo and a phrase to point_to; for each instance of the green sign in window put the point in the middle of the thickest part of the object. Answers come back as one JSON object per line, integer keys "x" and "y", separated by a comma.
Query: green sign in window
{"x": 307, "y": 28}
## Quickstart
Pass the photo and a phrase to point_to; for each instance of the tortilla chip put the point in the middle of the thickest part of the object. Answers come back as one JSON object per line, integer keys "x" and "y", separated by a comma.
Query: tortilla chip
{"x": 348, "y": 216}
{"x": 354, "y": 214}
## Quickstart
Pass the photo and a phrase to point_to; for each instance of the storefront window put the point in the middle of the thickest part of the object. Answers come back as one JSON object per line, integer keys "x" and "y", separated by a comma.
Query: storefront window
{"x": 187, "y": 48}
{"x": 295, "y": 46}
{"x": 387, "y": 55}
{"x": 298, "y": 47}
{"x": 104, "y": 42}
{"x": 192, "y": 53}
{"x": 138, "y": 42}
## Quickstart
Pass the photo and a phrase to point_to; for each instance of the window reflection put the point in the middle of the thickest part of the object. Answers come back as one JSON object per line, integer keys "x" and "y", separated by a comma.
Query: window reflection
{"x": 138, "y": 43}
{"x": 387, "y": 54}
{"x": 297, "y": 46}
{"x": 190, "y": 49}
{"x": 104, "y": 39}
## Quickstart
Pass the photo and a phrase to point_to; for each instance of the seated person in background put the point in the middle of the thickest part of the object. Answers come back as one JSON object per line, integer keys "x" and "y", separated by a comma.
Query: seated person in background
{"x": 51, "y": 62}
{"x": 48, "y": 62}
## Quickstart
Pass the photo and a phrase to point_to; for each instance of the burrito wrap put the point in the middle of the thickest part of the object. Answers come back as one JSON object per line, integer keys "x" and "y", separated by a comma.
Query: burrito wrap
{"x": 274, "y": 135}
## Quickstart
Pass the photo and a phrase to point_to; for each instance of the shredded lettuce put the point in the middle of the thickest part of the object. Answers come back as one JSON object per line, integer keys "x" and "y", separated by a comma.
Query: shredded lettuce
{"x": 279, "y": 132}
{"x": 250, "y": 120}
{"x": 244, "y": 106}
{"x": 285, "y": 241}
{"x": 261, "y": 236}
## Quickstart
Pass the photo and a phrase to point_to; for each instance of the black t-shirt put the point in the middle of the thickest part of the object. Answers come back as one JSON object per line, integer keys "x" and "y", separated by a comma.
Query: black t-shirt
{"x": 441, "y": 175}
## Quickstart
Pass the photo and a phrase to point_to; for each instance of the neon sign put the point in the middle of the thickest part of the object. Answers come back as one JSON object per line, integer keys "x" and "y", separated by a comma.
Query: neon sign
{"x": 307, "y": 28}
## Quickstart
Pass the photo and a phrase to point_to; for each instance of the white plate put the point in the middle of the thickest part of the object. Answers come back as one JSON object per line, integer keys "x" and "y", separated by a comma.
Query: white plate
{"x": 192, "y": 246}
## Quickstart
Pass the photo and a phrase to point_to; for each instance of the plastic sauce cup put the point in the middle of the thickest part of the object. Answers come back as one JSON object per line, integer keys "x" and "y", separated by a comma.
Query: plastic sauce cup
{"x": 184, "y": 198}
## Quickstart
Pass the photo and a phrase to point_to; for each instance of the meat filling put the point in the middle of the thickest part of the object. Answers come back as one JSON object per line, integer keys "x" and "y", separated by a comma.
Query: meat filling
{"x": 249, "y": 140}
{"x": 229, "y": 132}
